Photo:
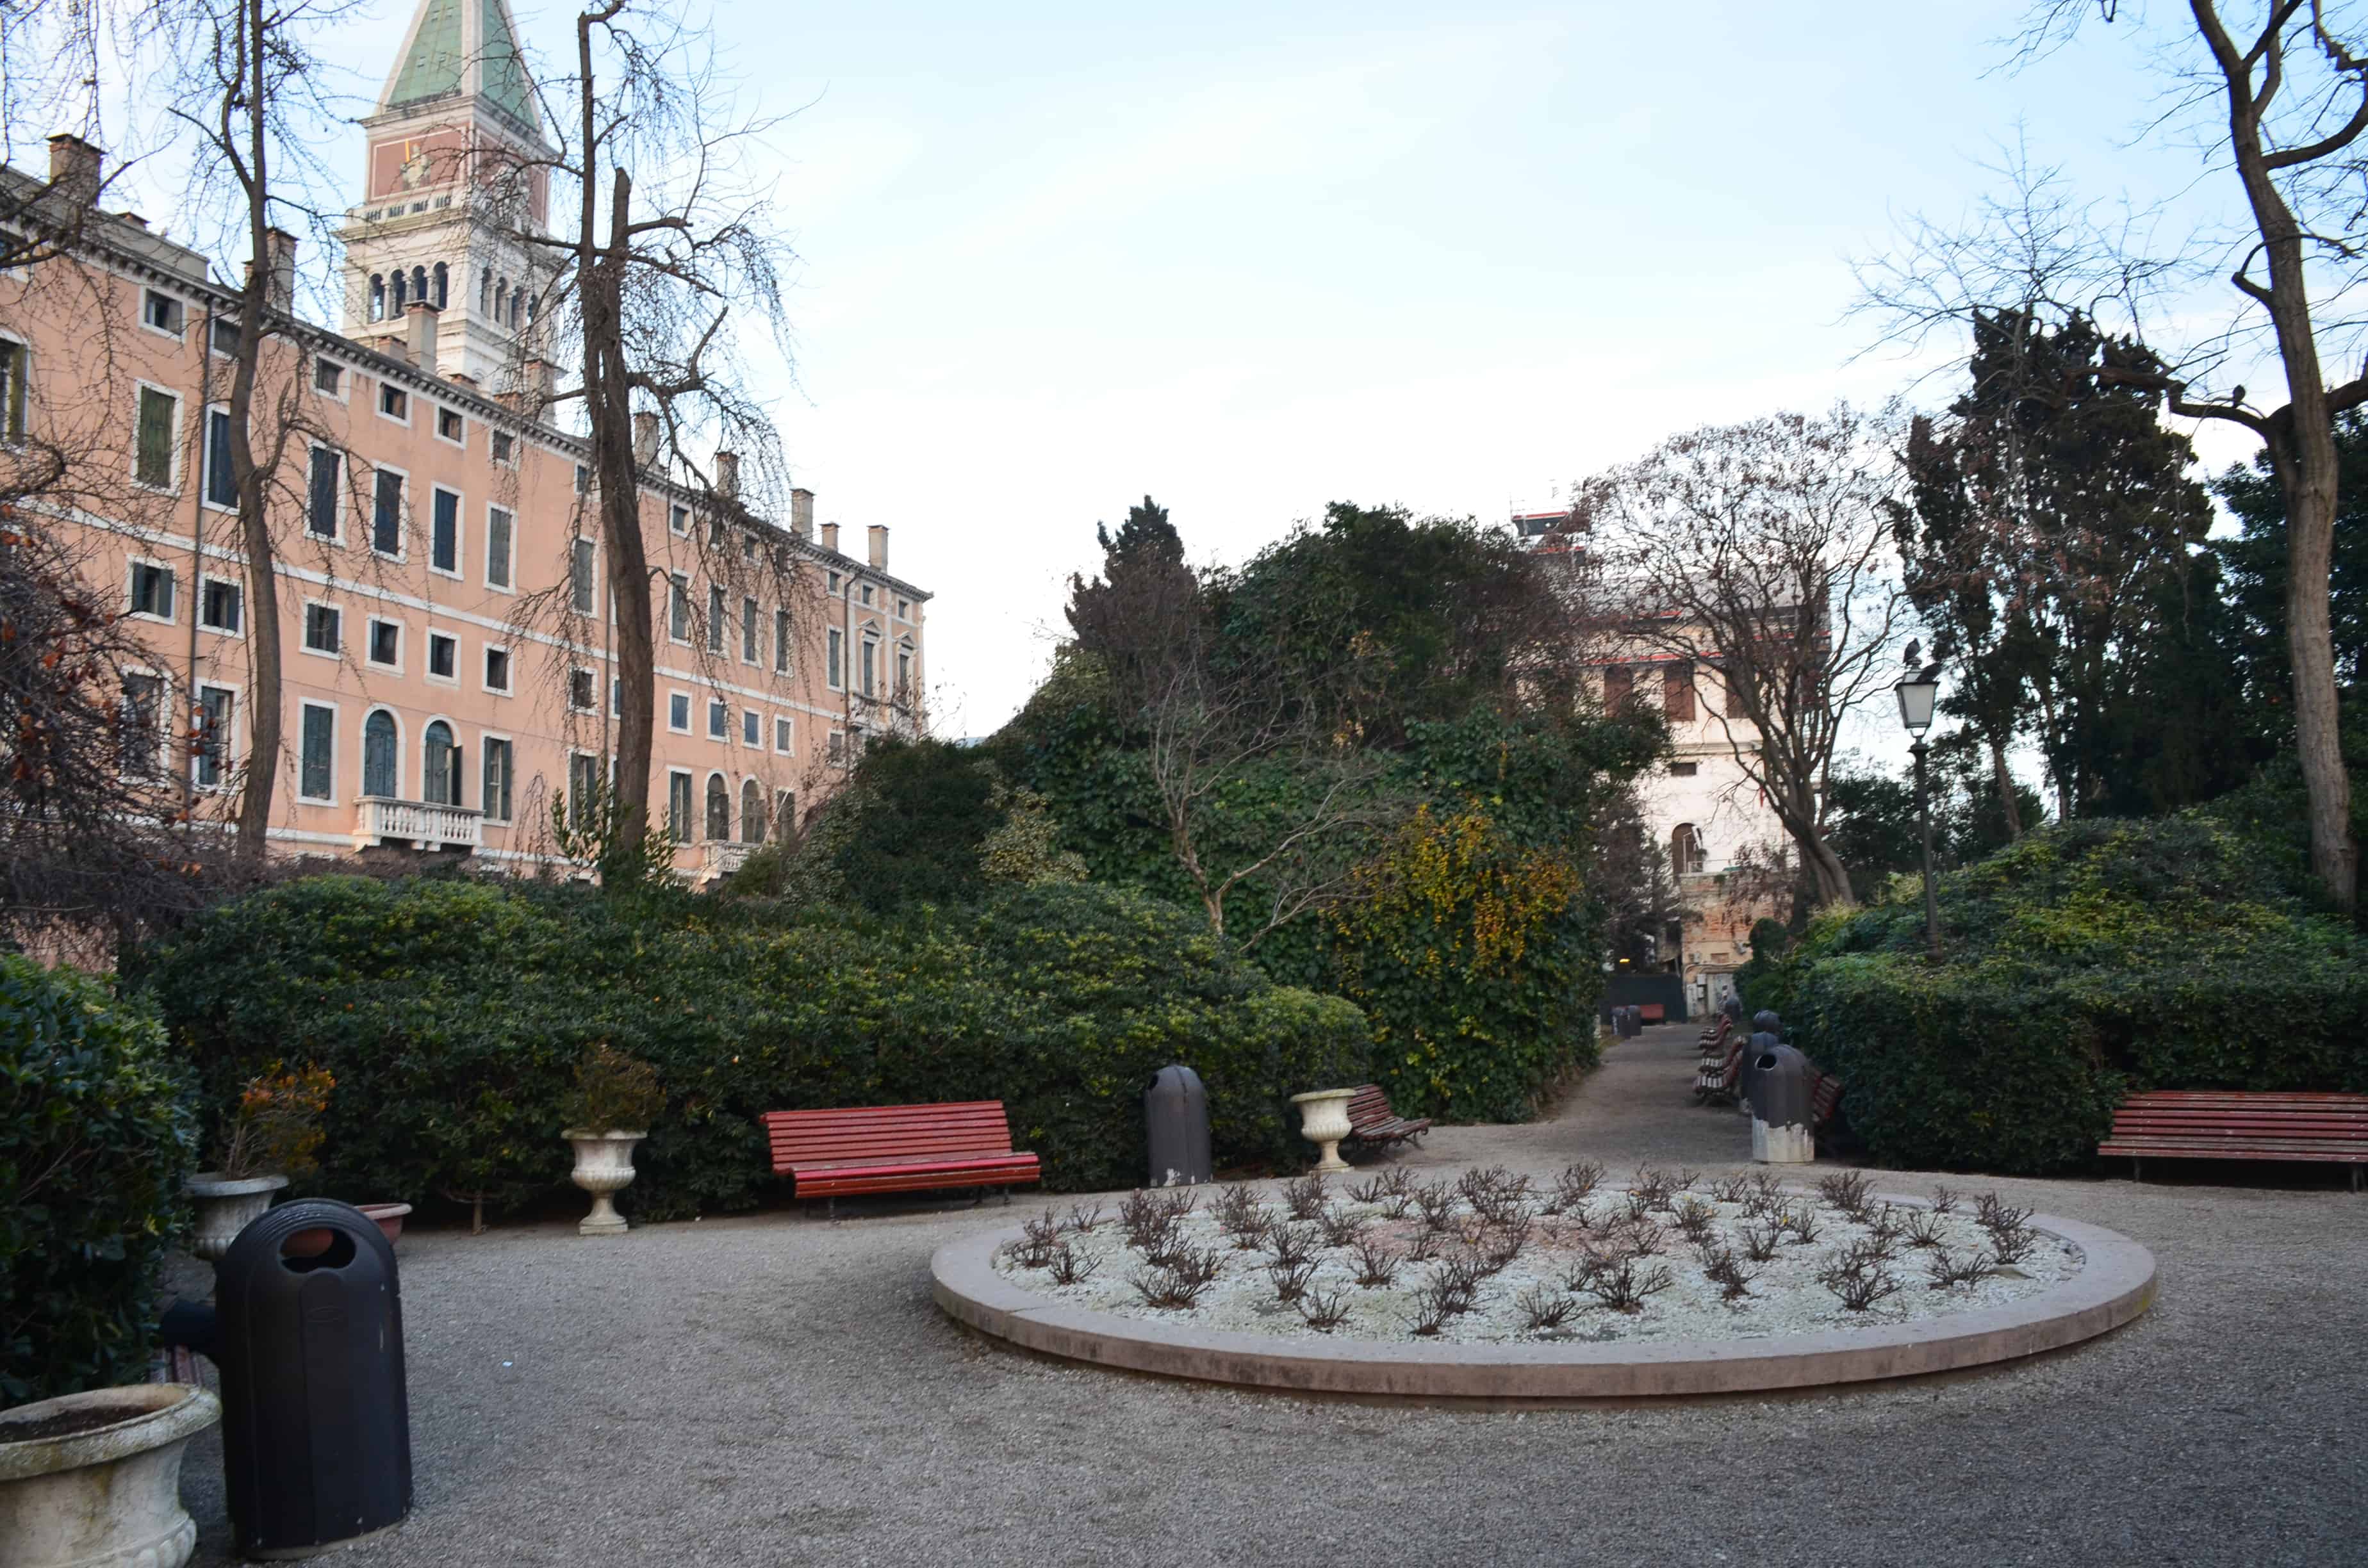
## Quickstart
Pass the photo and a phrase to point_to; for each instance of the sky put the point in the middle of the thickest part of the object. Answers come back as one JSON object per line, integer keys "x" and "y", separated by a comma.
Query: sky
{"x": 1250, "y": 259}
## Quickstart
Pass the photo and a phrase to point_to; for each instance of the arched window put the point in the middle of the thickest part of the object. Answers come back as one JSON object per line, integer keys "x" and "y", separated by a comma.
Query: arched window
{"x": 718, "y": 809}
{"x": 440, "y": 774}
{"x": 378, "y": 295}
{"x": 501, "y": 301}
{"x": 443, "y": 279}
{"x": 531, "y": 300}
{"x": 484, "y": 291}
{"x": 379, "y": 770}
{"x": 402, "y": 287}
{"x": 1687, "y": 856}
{"x": 419, "y": 284}
{"x": 752, "y": 813}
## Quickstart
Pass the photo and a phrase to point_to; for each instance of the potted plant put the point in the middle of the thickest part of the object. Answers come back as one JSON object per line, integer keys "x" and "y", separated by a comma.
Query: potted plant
{"x": 95, "y": 1477}
{"x": 615, "y": 1099}
{"x": 272, "y": 1134}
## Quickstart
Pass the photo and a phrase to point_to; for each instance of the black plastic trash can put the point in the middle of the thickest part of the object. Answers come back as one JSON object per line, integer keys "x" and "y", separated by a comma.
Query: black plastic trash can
{"x": 316, "y": 1431}
{"x": 1176, "y": 1124}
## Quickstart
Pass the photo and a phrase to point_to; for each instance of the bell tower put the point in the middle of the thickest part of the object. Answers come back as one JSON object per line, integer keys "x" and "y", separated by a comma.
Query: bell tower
{"x": 457, "y": 171}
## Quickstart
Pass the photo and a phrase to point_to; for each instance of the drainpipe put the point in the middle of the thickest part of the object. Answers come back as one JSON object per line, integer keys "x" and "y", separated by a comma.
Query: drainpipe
{"x": 196, "y": 472}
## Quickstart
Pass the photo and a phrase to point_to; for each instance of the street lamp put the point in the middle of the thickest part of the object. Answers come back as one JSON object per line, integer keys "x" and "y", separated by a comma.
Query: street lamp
{"x": 1917, "y": 694}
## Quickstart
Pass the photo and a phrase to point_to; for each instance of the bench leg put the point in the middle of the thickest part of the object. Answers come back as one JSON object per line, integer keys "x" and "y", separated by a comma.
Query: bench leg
{"x": 2137, "y": 1168}
{"x": 830, "y": 1210}
{"x": 2355, "y": 1179}
{"x": 978, "y": 1197}
{"x": 1007, "y": 1198}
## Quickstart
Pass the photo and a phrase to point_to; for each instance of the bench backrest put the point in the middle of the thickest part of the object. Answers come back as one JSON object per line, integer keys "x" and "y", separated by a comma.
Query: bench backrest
{"x": 960, "y": 1126}
{"x": 1652, "y": 1013}
{"x": 2230, "y": 1110}
{"x": 1371, "y": 1104}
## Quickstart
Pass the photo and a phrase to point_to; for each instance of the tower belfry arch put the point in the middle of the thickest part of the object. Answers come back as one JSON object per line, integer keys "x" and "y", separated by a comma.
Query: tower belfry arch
{"x": 456, "y": 164}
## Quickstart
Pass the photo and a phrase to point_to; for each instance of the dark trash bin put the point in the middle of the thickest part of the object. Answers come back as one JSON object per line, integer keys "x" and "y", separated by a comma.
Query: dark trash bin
{"x": 316, "y": 1431}
{"x": 1176, "y": 1120}
{"x": 1781, "y": 1081}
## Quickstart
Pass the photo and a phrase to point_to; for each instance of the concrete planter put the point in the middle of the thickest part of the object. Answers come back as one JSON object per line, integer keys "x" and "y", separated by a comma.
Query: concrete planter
{"x": 1324, "y": 1121}
{"x": 108, "y": 1497}
{"x": 604, "y": 1167}
{"x": 227, "y": 1205}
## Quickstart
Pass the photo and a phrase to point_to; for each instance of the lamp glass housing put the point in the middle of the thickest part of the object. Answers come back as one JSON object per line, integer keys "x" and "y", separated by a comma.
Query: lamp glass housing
{"x": 1917, "y": 699}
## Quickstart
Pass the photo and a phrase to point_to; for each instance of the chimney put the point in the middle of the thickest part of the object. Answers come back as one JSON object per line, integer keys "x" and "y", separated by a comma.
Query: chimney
{"x": 423, "y": 333}
{"x": 134, "y": 219}
{"x": 727, "y": 473}
{"x": 801, "y": 513}
{"x": 830, "y": 537}
{"x": 645, "y": 439}
{"x": 877, "y": 537}
{"x": 280, "y": 246}
{"x": 74, "y": 168}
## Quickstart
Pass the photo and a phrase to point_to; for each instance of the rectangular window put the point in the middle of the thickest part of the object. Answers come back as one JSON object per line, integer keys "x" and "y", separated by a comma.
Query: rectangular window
{"x": 386, "y": 515}
{"x": 1677, "y": 693}
{"x": 752, "y": 727}
{"x": 323, "y": 628}
{"x": 15, "y": 360}
{"x": 679, "y": 817}
{"x": 785, "y": 813}
{"x": 152, "y": 590}
{"x": 1684, "y": 769}
{"x": 443, "y": 655}
{"x": 616, "y": 698}
{"x": 142, "y": 724}
{"x": 329, "y": 377}
{"x": 223, "y": 336}
{"x": 160, "y": 413}
{"x": 496, "y": 798}
{"x": 451, "y": 426}
{"x": 221, "y": 484}
{"x": 582, "y": 694}
{"x": 316, "y": 754}
{"x": 867, "y": 593}
{"x": 386, "y": 642}
{"x": 836, "y": 751}
{"x": 871, "y": 657}
{"x": 678, "y": 713}
{"x": 748, "y": 629}
{"x": 583, "y": 576}
{"x": 504, "y": 445}
{"x": 162, "y": 312}
{"x": 904, "y": 674}
{"x": 784, "y": 735}
{"x": 213, "y": 751}
{"x": 678, "y": 608}
{"x": 832, "y": 674}
{"x": 1619, "y": 688}
{"x": 219, "y": 603}
{"x": 497, "y": 547}
{"x": 831, "y": 587}
{"x": 904, "y": 609}
{"x": 714, "y": 619}
{"x": 583, "y": 782}
{"x": 782, "y": 640}
{"x": 321, "y": 504}
{"x": 393, "y": 402}
{"x": 719, "y": 720}
{"x": 678, "y": 519}
{"x": 583, "y": 480}
{"x": 497, "y": 669}
{"x": 444, "y": 531}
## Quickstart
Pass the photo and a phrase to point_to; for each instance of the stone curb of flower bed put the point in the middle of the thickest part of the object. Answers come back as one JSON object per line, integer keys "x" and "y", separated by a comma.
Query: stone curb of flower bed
{"x": 2115, "y": 1284}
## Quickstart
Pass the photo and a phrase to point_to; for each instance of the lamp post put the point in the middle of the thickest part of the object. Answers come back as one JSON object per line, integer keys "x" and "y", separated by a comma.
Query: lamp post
{"x": 1917, "y": 695}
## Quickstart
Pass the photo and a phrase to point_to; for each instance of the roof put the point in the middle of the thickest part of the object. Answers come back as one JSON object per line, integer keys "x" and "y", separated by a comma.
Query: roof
{"x": 458, "y": 46}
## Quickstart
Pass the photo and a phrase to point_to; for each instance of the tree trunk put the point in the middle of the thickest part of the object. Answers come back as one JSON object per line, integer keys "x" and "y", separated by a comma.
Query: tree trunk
{"x": 253, "y": 481}
{"x": 2005, "y": 782}
{"x": 608, "y": 403}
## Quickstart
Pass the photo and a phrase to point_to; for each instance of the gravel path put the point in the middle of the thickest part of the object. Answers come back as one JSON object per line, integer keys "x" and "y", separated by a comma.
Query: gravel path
{"x": 774, "y": 1391}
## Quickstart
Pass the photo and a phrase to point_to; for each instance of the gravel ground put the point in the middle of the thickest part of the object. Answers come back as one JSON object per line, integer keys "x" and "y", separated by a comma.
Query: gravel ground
{"x": 773, "y": 1390}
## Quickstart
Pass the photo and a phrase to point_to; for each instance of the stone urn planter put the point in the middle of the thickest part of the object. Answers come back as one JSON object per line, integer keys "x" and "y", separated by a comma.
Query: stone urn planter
{"x": 604, "y": 1167}
{"x": 227, "y": 1205}
{"x": 94, "y": 1480}
{"x": 1324, "y": 1121}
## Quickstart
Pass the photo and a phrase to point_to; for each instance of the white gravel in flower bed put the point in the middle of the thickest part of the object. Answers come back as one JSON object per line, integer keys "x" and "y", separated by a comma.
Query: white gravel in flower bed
{"x": 1783, "y": 1295}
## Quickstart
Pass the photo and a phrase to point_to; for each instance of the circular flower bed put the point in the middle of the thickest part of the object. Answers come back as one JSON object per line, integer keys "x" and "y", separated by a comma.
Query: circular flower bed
{"x": 1488, "y": 1256}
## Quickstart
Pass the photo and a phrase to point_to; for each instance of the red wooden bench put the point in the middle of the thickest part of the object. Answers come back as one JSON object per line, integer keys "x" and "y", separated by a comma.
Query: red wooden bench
{"x": 1372, "y": 1122}
{"x": 1652, "y": 1013}
{"x": 2217, "y": 1124}
{"x": 1715, "y": 1036}
{"x": 897, "y": 1148}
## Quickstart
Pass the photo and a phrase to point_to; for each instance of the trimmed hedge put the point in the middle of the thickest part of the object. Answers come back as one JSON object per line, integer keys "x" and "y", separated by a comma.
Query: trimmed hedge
{"x": 96, "y": 1141}
{"x": 2083, "y": 963}
{"x": 453, "y": 1012}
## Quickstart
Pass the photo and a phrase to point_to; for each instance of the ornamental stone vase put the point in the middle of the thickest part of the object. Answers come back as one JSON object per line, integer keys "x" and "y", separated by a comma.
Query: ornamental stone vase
{"x": 1324, "y": 1121}
{"x": 108, "y": 1495}
{"x": 604, "y": 1167}
{"x": 227, "y": 1205}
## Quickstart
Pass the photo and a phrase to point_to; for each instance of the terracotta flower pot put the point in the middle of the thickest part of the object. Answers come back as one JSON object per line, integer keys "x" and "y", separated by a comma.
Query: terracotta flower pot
{"x": 102, "y": 1489}
{"x": 389, "y": 1217}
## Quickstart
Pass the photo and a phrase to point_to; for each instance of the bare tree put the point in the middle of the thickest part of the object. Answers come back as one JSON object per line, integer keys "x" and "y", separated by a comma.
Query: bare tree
{"x": 2279, "y": 99}
{"x": 671, "y": 253}
{"x": 1763, "y": 550}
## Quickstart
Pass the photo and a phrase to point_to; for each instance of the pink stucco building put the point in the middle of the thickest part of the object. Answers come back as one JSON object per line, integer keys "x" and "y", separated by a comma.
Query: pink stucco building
{"x": 443, "y": 597}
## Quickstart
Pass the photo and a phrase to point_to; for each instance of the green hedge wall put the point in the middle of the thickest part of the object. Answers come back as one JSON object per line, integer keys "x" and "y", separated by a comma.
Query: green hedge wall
{"x": 451, "y": 1014}
{"x": 2083, "y": 963}
{"x": 96, "y": 1139}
